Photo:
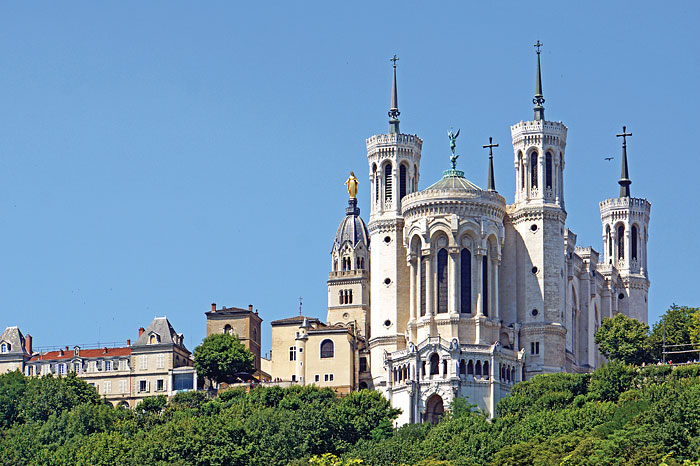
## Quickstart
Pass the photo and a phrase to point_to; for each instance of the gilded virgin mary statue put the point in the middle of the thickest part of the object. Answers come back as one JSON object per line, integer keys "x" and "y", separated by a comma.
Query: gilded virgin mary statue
{"x": 352, "y": 183}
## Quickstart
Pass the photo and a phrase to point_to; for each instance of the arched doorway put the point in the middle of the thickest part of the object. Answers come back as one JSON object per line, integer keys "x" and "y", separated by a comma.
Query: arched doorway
{"x": 434, "y": 409}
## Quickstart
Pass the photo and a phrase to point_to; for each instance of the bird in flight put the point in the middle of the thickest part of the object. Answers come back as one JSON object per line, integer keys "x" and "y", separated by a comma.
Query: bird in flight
{"x": 608, "y": 158}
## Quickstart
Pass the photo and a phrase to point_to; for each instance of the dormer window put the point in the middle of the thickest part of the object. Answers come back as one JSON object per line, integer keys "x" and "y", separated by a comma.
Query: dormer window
{"x": 76, "y": 351}
{"x": 5, "y": 347}
{"x": 153, "y": 339}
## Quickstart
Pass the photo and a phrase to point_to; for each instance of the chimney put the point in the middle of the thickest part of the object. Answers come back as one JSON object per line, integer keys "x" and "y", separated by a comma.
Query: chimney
{"x": 128, "y": 342}
{"x": 66, "y": 347}
{"x": 213, "y": 307}
{"x": 250, "y": 308}
{"x": 141, "y": 330}
{"x": 60, "y": 352}
{"x": 105, "y": 351}
{"x": 28, "y": 344}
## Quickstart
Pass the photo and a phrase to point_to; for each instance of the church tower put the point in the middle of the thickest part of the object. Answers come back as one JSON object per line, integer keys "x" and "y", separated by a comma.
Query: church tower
{"x": 625, "y": 235}
{"x": 538, "y": 217}
{"x": 348, "y": 282}
{"x": 394, "y": 160}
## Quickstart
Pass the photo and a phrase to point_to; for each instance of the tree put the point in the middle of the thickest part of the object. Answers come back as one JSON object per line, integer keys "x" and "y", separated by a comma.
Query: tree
{"x": 678, "y": 326}
{"x": 624, "y": 339}
{"x": 221, "y": 356}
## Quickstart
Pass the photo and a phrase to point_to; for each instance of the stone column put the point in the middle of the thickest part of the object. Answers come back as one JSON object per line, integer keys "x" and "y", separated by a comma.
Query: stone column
{"x": 479, "y": 282}
{"x": 412, "y": 286}
{"x": 628, "y": 246}
{"x": 428, "y": 283}
{"x": 453, "y": 273}
{"x": 541, "y": 174}
{"x": 496, "y": 314}
{"x": 419, "y": 284}
{"x": 526, "y": 167}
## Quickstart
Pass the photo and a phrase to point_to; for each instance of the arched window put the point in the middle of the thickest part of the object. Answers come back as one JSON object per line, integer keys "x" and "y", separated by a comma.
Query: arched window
{"x": 434, "y": 364}
{"x": 621, "y": 242}
{"x": 548, "y": 170}
{"x": 635, "y": 234}
{"x": 462, "y": 367}
{"x": 422, "y": 284}
{"x": 402, "y": 181}
{"x": 340, "y": 297}
{"x": 444, "y": 367}
{"x": 521, "y": 166}
{"x": 442, "y": 281}
{"x": 470, "y": 367}
{"x": 465, "y": 258}
{"x": 485, "y": 284}
{"x": 227, "y": 329}
{"x": 387, "y": 182}
{"x": 477, "y": 371}
{"x": 533, "y": 170}
{"x": 326, "y": 349}
{"x": 486, "y": 369}
{"x": 405, "y": 372}
{"x": 376, "y": 182}
{"x": 335, "y": 266}
{"x": 512, "y": 374}
{"x": 610, "y": 242}
{"x": 349, "y": 296}
{"x": 5, "y": 347}
{"x": 153, "y": 339}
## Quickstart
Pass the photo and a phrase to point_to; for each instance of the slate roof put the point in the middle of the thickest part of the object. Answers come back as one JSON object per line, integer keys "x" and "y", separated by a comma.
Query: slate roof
{"x": 13, "y": 336}
{"x": 161, "y": 326}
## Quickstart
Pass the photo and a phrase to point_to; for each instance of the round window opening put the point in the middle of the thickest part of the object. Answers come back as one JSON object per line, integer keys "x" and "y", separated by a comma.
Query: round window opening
{"x": 620, "y": 296}
{"x": 533, "y": 227}
{"x": 535, "y": 312}
{"x": 387, "y": 239}
{"x": 346, "y": 316}
{"x": 535, "y": 270}
{"x": 387, "y": 323}
{"x": 387, "y": 281}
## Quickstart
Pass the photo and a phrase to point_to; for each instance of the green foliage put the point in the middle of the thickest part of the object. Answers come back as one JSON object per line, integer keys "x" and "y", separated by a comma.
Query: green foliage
{"x": 618, "y": 415}
{"x": 608, "y": 382}
{"x": 625, "y": 339}
{"x": 221, "y": 356}
{"x": 152, "y": 404}
{"x": 680, "y": 325}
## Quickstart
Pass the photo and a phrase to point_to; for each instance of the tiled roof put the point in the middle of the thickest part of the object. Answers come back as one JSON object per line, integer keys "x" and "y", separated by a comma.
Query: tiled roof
{"x": 295, "y": 319}
{"x": 84, "y": 353}
{"x": 160, "y": 326}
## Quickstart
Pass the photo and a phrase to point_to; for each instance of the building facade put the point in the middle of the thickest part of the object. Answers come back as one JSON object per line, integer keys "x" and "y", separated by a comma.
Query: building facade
{"x": 157, "y": 363}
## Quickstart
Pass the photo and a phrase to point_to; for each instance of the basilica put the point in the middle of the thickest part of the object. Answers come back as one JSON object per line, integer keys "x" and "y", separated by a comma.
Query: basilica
{"x": 452, "y": 292}
{"x": 446, "y": 292}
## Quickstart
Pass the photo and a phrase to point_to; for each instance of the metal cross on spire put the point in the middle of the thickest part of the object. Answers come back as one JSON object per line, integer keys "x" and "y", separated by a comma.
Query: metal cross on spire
{"x": 300, "y": 298}
{"x": 538, "y": 45}
{"x": 491, "y": 181}
{"x": 394, "y": 110}
{"x": 625, "y": 181}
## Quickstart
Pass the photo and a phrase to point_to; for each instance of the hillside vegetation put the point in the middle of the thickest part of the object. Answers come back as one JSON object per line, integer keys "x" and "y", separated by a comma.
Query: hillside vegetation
{"x": 618, "y": 415}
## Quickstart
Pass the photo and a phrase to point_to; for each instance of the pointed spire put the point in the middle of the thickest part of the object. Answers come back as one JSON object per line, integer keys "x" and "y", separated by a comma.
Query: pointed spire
{"x": 625, "y": 181}
{"x": 539, "y": 98}
{"x": 491, "y": 182}
{"x": 394, "y": 110}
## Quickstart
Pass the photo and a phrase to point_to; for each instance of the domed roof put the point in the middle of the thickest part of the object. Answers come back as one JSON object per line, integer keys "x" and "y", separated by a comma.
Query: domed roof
{"x": 454, "y": 179}
{"x": 352, "y": 228}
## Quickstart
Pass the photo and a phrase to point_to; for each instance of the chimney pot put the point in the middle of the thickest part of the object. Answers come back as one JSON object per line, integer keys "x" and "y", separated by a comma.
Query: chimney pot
{"x": 250, "y": 307}
{"x": 128, "y": 342}
{"x": 105, "y": 351}
{"x": 141, "y": 330}
{"x": 213, "y": 307}
{"x": 66, "y": 347}
{"x": 28, "y": 344}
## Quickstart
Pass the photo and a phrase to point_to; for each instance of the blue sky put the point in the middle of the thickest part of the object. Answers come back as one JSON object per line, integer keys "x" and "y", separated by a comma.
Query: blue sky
{"x": 157, "y": 157}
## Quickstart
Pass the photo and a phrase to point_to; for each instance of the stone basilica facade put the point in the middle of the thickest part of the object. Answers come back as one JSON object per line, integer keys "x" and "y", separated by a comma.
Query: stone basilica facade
{"x": 454, "y": 293}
